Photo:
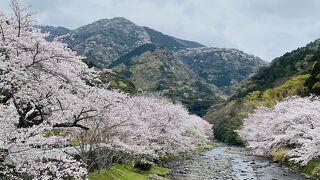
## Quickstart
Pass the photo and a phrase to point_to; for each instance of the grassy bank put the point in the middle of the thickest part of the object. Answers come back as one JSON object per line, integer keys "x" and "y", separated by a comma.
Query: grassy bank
{"x": 312, "y": 168}
{"x": 127, "y": 171}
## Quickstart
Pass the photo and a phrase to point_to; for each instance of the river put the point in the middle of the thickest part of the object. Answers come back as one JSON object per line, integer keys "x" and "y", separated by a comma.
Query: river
{"x": 230, "y": 162}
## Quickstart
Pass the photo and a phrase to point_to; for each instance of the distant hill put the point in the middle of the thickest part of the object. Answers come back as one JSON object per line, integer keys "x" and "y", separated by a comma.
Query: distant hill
{"x": 222, "y": 67}
{"x": 294, "y": 73}
{"x": 181, "y": 70}
{"x": 155, "y": 69}
{"x": 106, "y": 40}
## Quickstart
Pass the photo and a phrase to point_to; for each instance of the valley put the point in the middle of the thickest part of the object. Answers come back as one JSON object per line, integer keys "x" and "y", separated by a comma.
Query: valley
{"x": 114, "y": 100}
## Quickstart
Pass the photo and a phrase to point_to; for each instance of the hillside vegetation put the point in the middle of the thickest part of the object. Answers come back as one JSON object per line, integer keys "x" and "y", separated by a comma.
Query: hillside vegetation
{"x": 180, "y": 70}
{"x": 106, "y": 40}
{"x": 295, "y": 73}
{"x": 222, "y": 67}
{"x": 153, "y": 69}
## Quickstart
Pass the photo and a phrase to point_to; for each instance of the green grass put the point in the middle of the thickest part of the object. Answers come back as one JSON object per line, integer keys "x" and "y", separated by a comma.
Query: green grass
{"x": 313, "y": 168}
{"x": 127, "y": 172}
{"x": 203, "y": 147}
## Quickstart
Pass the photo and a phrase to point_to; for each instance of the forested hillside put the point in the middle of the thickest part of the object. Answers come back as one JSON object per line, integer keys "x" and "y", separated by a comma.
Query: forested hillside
{"x": 180, "y": 70}
{"x": 295, "y": 73}
{"x": 154, "y": 69}
{"x": 106, "y": 40}
{"x": 225, "y": 68}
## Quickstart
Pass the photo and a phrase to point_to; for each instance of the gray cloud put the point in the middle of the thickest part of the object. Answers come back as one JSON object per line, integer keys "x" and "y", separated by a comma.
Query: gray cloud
{"x": 266, "y": 28}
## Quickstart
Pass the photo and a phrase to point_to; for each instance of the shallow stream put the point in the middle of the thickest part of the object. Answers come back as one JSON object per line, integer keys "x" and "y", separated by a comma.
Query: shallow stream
{"x": 230, "y": 162}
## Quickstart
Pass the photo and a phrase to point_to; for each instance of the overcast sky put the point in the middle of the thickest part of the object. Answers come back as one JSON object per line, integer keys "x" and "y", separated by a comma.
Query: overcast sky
{"x": 265, "y": 28}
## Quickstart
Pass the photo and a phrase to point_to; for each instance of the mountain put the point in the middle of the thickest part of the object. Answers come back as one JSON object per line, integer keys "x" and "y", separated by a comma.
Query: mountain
{"x": 170, "y": 42}
{"x": 154, "y": 69}
{"x": 181, "y": 70}
{"x": 294, "y": 73}
{"x": 106, "y": 40}
{"x": 220, "y": 66}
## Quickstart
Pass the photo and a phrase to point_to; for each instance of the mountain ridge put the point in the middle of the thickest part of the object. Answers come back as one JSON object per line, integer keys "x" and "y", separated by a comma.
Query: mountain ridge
{"x": 119, "y": 33}
{"x": 155, "y": 62}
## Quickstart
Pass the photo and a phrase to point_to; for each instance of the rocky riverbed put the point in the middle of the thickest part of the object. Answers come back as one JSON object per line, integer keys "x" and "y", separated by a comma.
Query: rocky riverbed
{"x": 230, "y": 162}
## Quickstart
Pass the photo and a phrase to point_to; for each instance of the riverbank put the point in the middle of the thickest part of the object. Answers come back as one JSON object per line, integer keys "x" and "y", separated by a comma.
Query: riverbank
{"x": 221, "y": 162}
{"x": 231, "y": 162}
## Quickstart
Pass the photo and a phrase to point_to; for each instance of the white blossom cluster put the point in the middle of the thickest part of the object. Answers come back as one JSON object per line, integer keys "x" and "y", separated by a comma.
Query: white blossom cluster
{"x": 293, "y": 124}
{"x": 43, "y": 87}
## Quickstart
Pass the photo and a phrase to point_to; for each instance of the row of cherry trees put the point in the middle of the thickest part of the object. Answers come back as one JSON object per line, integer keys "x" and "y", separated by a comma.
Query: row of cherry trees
{"x": 293, "y": 124}
{"x": 44, "y": 88}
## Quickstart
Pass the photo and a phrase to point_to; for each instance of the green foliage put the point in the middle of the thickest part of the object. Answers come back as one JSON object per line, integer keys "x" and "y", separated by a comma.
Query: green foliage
{"x": 281, "y": 69}
{"x": 159, "y": 71}
{"x": 225, "y": 130}
{"x": 313, "y": 167}
{"x": 142, "y": 165}
{"x": 196, "y": 99}
{"x": 269, "y": 97}
{"x": 127, "y": 172}
{"x": 228, "y": 117}
{"x": 313, "y": 83}
{"x": 203, "y": 147}
{"x": 126, "y": 59}
{"x": 115, "y": 81}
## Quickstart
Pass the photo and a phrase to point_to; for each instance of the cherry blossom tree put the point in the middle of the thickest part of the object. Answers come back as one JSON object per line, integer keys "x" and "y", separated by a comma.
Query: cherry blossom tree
{"x": 140, "y": 126}
{"x": 40, "y": 84}
{"x": 293, "y": 123}
{"x": 46, "y": 102}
